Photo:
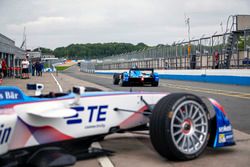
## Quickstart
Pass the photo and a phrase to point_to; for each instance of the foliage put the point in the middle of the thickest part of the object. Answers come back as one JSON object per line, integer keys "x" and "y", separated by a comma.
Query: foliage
{"x": 241, "y": 42}
{"x": 61, "y": 68}
{"x": 96, "y": 50}
{"x": 44, "y": 50}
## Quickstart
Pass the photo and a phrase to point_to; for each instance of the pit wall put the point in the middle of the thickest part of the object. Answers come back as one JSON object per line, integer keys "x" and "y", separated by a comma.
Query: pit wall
{"x": 230, "y": 76}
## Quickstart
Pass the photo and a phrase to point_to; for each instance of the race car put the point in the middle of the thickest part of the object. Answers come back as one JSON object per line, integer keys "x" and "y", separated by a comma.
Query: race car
{"x": 137, "y": 76}
{"x": 57, "y": 129}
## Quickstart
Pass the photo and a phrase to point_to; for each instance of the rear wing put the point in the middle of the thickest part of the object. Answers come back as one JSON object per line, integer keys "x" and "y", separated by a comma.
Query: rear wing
{"x": 142, "y": 69}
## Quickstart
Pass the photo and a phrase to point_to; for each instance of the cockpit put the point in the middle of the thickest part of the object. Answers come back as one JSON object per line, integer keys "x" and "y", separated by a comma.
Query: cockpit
{"x": 38, "y": 88}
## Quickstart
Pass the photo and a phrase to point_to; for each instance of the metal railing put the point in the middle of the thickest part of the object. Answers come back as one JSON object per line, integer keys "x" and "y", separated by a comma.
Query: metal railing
{"x": 202, "y": 53}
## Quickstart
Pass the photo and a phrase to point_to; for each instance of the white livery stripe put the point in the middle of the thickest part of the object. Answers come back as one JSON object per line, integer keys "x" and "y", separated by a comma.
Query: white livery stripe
{"x": 104, "y": 161}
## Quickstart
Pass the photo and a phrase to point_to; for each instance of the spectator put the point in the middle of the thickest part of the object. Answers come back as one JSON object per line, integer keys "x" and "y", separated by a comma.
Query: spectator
{"x": 25, "y": 68}
{"x": 37, "y": 68}
{"x": 41, "y": 69}
{"x": 216, "y": 59}
{"x": 166, "y": 65}
{"x": 4, "y": 68}
{"x": 33, "y": 68}
{"x": 193, "y": 61}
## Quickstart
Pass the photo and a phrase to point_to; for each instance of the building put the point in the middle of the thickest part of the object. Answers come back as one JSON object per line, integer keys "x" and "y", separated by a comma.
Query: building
{"x": 10, "y": 53}
{"x": 44, "y": 56}
{"x": 49, "y": 60}
{"x": 34, "y": 55}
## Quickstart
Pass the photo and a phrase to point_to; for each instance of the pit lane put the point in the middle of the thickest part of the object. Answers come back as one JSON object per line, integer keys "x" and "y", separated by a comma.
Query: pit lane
{"x": 234, "y": 98}
{"x": 135, "y": 149}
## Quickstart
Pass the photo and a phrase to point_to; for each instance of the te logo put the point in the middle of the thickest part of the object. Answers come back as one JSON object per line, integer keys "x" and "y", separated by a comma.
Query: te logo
{"x": 99, "y": 112}
{"x": 96, "y": 114}
{"x": 4, "y": 134}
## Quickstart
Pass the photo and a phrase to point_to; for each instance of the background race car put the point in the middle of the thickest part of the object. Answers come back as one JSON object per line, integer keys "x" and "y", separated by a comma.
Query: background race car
{"x": 137, "y": 76}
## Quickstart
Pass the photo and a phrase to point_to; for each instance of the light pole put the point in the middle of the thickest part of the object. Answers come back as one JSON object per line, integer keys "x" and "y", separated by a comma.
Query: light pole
{"x": 187, "y": 21}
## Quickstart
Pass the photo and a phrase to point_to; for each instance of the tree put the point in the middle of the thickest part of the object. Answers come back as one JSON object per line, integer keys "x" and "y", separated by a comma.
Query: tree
{"x": 96, "y": 50}
{"x": 43, "y": 50}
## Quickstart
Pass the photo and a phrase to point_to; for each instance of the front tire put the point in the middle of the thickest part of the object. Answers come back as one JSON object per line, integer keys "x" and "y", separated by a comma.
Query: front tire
{"x": 180, "y": 127}
{"x": 116, "y": 79}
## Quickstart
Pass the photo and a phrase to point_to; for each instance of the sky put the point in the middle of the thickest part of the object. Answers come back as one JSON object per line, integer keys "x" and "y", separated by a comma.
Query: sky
{"x": 57, "y": 23}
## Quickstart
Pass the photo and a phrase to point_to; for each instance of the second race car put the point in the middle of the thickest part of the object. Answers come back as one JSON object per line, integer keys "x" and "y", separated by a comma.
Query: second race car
{"x": 137, "y": 76}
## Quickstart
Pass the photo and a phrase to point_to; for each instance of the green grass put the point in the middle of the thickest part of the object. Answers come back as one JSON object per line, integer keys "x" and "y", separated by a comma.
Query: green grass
{"x": 61, "y": 68}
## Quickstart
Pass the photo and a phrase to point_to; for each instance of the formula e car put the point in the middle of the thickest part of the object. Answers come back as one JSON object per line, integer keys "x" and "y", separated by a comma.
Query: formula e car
{"x": 57, "y": 129}
{"x": 137, "y": 76}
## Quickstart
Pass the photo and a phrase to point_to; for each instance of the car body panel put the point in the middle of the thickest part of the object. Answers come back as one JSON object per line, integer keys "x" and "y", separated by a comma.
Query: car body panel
{"x": 94, "y": 115}
{"x": 32, "y": 121}
{"x": 223, "y": 133}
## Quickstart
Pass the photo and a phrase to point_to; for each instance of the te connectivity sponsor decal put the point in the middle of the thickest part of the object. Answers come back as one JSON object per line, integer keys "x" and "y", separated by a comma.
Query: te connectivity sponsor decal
{"x": 95, "y": 126}
{"x": 96, "y": 116}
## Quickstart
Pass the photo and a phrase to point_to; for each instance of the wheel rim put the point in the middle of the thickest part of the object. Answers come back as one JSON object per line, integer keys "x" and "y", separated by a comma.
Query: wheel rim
{"x": 189, "y": 127}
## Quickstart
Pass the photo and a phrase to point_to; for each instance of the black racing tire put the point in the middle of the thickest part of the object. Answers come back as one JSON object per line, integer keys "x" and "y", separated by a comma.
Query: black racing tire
{"x": 162, "y": 127}
{"x": 116, "y": 79}
{"x": 155, "y": 84}
{"x": 124, "y": 83}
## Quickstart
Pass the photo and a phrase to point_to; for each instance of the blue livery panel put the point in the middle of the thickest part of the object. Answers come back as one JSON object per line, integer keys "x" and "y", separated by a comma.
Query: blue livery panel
{"x": 156, "y": 77}
{"x": 223, "y": 135}
{"x": 11, "y": 93}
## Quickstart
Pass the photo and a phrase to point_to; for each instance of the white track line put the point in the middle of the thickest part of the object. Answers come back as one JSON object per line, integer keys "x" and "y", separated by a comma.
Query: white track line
{"x": 60, "y": 88}
{"x": 104, "y": 161}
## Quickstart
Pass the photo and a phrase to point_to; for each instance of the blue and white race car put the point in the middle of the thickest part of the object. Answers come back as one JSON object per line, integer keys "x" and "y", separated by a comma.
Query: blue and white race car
{"x": 56, "y": 129}
{"x": 137, "y": 76}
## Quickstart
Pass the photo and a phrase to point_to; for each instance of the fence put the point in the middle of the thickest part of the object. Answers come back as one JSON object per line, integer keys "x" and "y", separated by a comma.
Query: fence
{"x": 205, "y": 53}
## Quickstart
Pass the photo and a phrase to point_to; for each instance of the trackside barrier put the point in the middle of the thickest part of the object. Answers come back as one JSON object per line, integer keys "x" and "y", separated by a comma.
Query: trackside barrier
{"x": 229, "y": 76}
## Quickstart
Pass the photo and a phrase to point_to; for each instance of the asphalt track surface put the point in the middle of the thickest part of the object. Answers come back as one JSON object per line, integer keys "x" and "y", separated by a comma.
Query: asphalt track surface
{"x": 234, "y": 98}
{"x": 134, "y": 148}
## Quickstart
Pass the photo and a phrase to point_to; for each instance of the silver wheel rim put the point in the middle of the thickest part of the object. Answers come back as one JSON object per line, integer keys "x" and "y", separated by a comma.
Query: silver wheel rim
{"x": 189, "y": 127}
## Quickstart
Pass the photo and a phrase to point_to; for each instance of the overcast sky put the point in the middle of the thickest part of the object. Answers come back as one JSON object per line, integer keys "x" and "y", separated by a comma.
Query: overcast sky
{"x": 55, "y": 23}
